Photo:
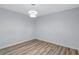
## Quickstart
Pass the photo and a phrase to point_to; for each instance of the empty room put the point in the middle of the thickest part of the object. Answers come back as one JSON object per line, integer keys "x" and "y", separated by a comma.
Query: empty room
{"x": 39, "y": 29}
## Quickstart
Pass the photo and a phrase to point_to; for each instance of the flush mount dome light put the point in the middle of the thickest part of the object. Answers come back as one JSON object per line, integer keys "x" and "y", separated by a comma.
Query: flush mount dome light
{"x": 33, "y": 13}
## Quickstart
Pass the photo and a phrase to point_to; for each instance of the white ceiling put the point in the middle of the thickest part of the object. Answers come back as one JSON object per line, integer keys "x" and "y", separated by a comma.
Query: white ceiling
{"x": 43, "y": 9}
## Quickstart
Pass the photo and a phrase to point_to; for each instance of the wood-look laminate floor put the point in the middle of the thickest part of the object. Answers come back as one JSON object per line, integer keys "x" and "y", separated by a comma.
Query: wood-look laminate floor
{"x": 38, "y": 47}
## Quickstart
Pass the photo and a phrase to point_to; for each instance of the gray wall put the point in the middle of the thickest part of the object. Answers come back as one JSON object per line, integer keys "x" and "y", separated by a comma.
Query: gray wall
{"x": 60, "y": 28}
{"x": 14, "y": 28}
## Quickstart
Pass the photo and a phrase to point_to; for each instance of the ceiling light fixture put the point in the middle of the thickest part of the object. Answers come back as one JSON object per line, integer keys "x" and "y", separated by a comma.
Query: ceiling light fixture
{"x": 33, "y": 13}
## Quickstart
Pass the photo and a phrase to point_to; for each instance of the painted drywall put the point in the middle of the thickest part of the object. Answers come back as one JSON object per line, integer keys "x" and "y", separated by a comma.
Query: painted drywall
{"x": 60, "y": 28}
{"x": 14, "y": 28}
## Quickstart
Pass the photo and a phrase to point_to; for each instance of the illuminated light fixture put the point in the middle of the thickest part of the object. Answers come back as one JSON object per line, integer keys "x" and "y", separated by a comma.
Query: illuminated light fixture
{"x": 33, "y": 13}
